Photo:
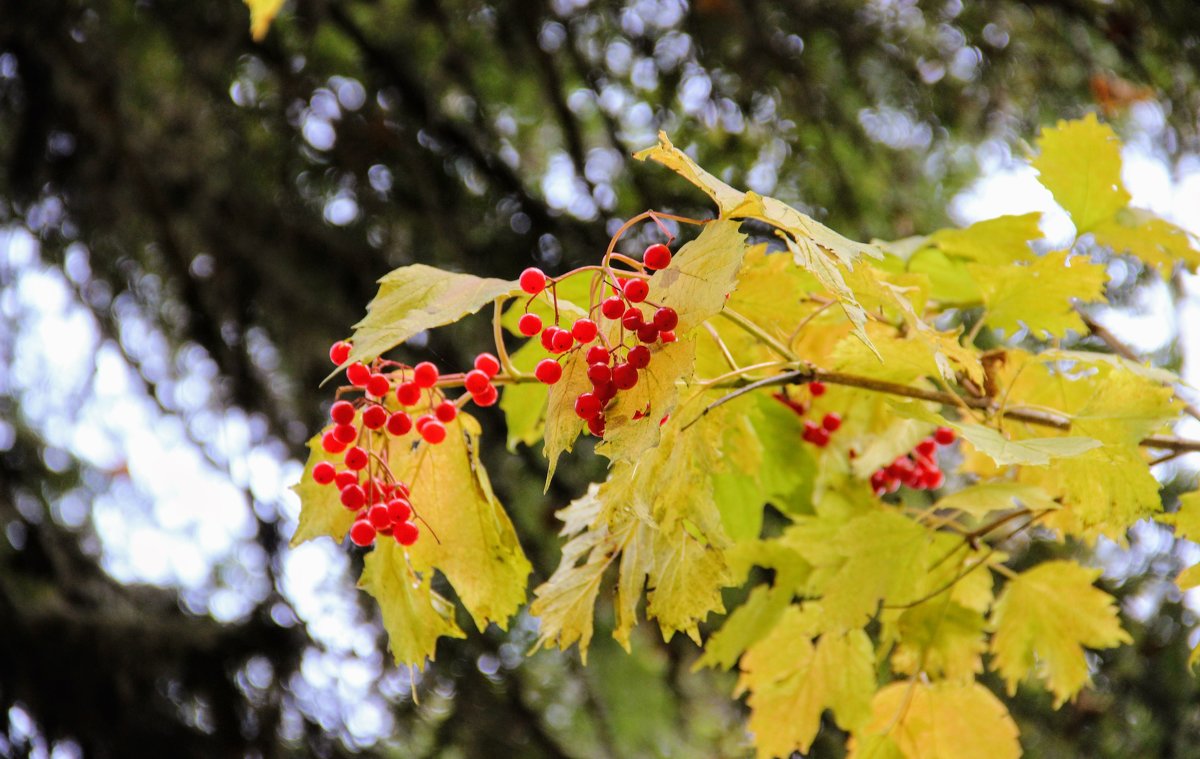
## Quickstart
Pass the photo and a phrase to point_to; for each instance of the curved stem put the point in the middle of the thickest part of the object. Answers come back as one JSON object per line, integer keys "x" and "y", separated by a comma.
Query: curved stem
{"x": 758, "y": 332}
{"x": 498, "y": 336}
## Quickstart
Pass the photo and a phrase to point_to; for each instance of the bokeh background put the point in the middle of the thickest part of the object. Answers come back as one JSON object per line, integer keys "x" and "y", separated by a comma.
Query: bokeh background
{"x": 189, "y": 218}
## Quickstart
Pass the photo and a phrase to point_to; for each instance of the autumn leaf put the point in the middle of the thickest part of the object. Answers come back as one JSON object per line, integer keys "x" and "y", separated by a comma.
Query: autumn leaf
{"x": 262, "y": 13}
{"x": 701, "y": 275}
{"x": 1032, "y": 451}
{"x": 1158, "y": 243}
{"x": 1080, "y": 163}
{"x": 942, "y": 720}
{"x": 321, "y": 509}
{"x": 1041, "y": 294}
{"x": 997, "y": 242}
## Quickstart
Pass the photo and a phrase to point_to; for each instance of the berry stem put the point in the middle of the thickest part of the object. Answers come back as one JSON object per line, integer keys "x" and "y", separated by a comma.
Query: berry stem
{"x": 498, "y": 337}
{"x": 758, "y": 332}
{"x": 721, "y": 346}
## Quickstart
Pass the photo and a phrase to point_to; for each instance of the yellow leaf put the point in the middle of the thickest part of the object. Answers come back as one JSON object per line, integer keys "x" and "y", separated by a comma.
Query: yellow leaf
{"x": 941, "y": 638}
{"x": 563, "y": 425}
{"x": 999, "y": 241}
{"x": 321, "y": 510}
{"x": 1039, "y": 295}
{"x": 634, "y": 418}
{"x": 745, "y": 626}
{"x": 685, "y": 582}
{"x": 1189, "y": 578}
{"x": 262, "y": 13}
{"x": 1186, "y": 519}
{"x": 1157, "y": 243}
{"x": 982, "y": 499}
{"x": 1103, "y": 492}
{"x": 413, "y": 615}
{"x": 923, "y": 353}
{"x": 1043, "y": 620}
{"x": 1034, "y": 451}
{"x": 678, "y": 161}
{"x": 702, "y": 274}
{"x": 792, "y": 682}
{"x": 945, "y": 720}
{"x": 1080, "y": 163}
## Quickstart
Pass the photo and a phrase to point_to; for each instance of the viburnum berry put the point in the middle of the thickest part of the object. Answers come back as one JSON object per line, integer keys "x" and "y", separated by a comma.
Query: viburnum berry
{"x": 636, "y": 290}
{"x": 339, "y": 352}
{"x": 944, "y": 436}
{"x": 476, "y": 381}
{"x": 605, "y": 391}
{"x": 358, "y": 374}
{"x": 598, "y": 354}
{"x": 399, "y": 424}
{"x": 487, "y": 397}
{"x": 378, "y": 385}
{"x": 378, "y": 516}
{"x": 632, "y": 320}
{"x": 356, "y": 458}
{"x": 323, "y": 473}
{"x": 816, "y": 388}
{"x": 596, "y": 425}
{"x": 584, "y": 330}
{"x": 399, "y": 510}
{"x": 599, "y": 374}
{"x": 406, "y": 533}
{"x": 587, "y": 406}
{"x": 345, "y": 479}
{"x": 624, "y": 376}
{"x": 548, "y": 371}
{"x": 445, "y": 412}
{"x": 353, "y": 497}
{"x": 548, "y": 338}
{"x": 667, "y": 336}
{"x": 433, "y": 432}
{"x": 425, "y": 374}
{"x": 665, "y": 318}
{"x": 342, "y": 412}
{"x": 613, "y": 308}
{"x": 832, "y": 421}
{"x": 374, "y": 417}
{"x": 647, "y": 333}
{"x": 638, "y": 357}
{"x": 529, "y": 324}
{"x": 330, "y": 443}
{"x": 934, "y": 480}
{"x": 362, "y": 534}
{"x": 820, "y": 438}
{"x": 657, "y": 256}
{"x": 423, "y": 420}
{"x": 533, "y": 280}
{"x": 562, "y": 341}
{"x": 345, "y": 433}
{"x": 488, "y": 364}
{"x": 408, "y": 393}
{"x": 926, "y": 448}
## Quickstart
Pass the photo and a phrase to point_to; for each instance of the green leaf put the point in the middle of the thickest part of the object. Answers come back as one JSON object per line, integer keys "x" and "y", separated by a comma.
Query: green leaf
{"x": 1044, "y": 619}
{"x": 524, "y": 403}
{"x": 418, "y": 297}
{"x": 1039, "y": 295}
{"x": 1080, "y": 163}
{"x": 321, "y": 510}
{"x": 745, "y": 626}
{"x": 944, "y": 720}
{"x": 1035, "y": 451}
{"x": 999, "y": 241}
{"x": 413, "y": 615}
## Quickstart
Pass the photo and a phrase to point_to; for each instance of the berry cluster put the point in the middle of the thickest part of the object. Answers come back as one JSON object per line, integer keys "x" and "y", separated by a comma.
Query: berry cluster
{"x": 918, "y": 470}
{"x": 817, "y": 433}
{"x": 612, "y": 367}
{"x": 362, "y": 428}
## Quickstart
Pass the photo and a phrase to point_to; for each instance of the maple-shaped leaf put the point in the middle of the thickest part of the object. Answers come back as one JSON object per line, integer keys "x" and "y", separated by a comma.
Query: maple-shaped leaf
{"x": 701, "y": 274}
{"x": 1102, "y": 492}
{"x": 925, "y": 352}
{"x": 413, "y": 615}
{"x": 685, "y": 582}
{"x": 1039, "y": 295}
{"x": 419, "y": 297}
{"x": 942, "y": 720}
{"x": 262, "y": 13}
{"x": 792, "y": 681}
{"x": 1044, "y": 619}
{"x": 635, "y": 417}
{"x": 1080, "y": 164}
{"x": 321, "y": 509}
{"x": 999, "y": 241}
{"x": 939, "y": 637}
{"x": 1156, "y": 242}
{"x": 1033, "y": 451}
{"x": 1185, "y": 519}
{"x": 984, "y": 498}
{"x": 746, "y": 625}
{"x": 563, "y": 425}
{"x": 473, "y": 542}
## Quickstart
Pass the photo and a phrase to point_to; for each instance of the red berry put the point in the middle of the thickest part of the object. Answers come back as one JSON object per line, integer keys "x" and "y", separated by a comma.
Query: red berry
{"x": 584, "y": 330}
{"x": 596, "y": 425}
{"x": 832, "y": 421}
{"x": 487, "y": 397}
{"x": 433, "y": 432}
{"x": 548, "y": 338}
{"x": 587, "y": 406}
{"x": 900, "y": 469}
{"x": 647, "y": 333}
{"x": 613, "y": 307}
{"x": 816, "y": 388}
{"x": 657, "y": 256}
{"x": 323, "y": 473}
{"x": 406, "y": 533}
{"x": 599, "y": 374}
{"x": 944, "y": 436}
{"x": 529, "y": 324}
{"x": 378, "y": 516}
{"x": 446, "y": 411}
{"x": 476, "y": 381}
{"x": 624, "y": 376}
{"x": 632, "y": 320}
{"x": 926, "y": 447}
{"x": 636, "y": 290}
{"x": 339, "y": 352}
{"x": 358, "y": 374}
{"x": 399, "y": 423}
{"x": 665, "y": 318}
{"x": 345, "y": 479}
{"x": 548, "y": 371}
{"x": 330, "y": 443}
{"x": 605, "y": 392}
{"x": 488, "y": 364}
{"x": 353, "y": 497}
{"x": 374, "y": 417}
{"x": 810, "y": 430}
{"x": 345, "y": 433}
{"x": 533, "y": 280}
{"x": 408, "y": 394}
{"x": 378, "y": 385}
{"x": 356, "y": 458}
{"x": 562, "y": 341}
{"x": 935, "y": 479}
{"x": 820, "y": 438}
{"x": 362, "y": 534}
{"x": 598, "y": 354}
{"x": 425, "y": 374}
{"x": 423, "y": 420}
{"x": 399, "y": 510}
{"x": 639, "y": 357}
{"x": 667, "y": 336}
{"x": 342, "y": 412}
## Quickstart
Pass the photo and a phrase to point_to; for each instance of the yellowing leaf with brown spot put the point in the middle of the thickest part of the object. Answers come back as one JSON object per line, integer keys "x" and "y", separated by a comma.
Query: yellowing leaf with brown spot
{"x": 321, "y": 509}
{"x": 634, "y": 417}
{"x": 1080, "y": 163}
{"x": 702, "y": 274}
{"x": 262, "y": 13}
{"x": 1043, "y": 620}
{"x": 413, "y": 615}
{"x": 945, "y": 720}
{"x": 1039, "y": 295}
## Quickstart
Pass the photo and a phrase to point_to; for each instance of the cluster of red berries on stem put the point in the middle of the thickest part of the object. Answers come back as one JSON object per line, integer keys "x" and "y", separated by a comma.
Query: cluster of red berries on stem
{"x": 817, "y": 433}
{"x": 918, "y": 470}
{"x": 362, "y": 430}
{"x": 611, "y": 366}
